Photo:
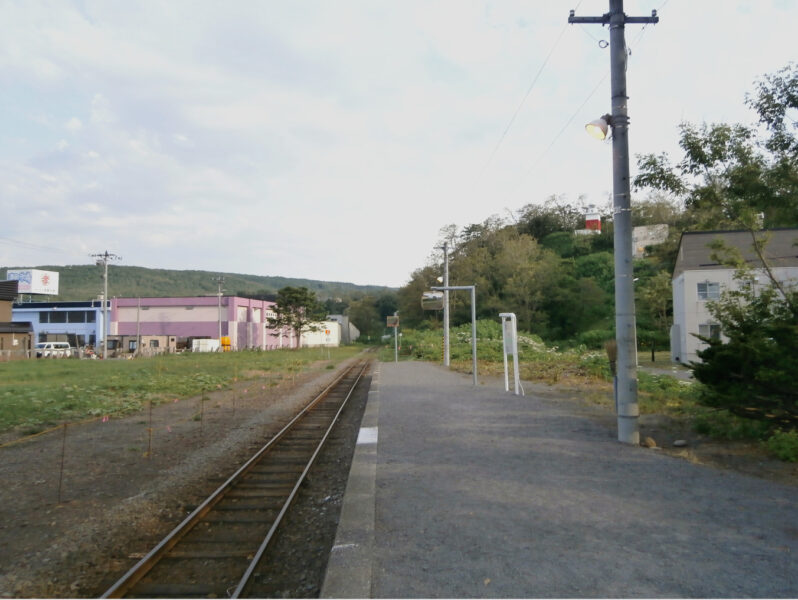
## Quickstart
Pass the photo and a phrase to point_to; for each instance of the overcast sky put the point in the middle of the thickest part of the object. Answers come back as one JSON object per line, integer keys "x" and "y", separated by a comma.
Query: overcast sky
{"x": 333, "y": 140}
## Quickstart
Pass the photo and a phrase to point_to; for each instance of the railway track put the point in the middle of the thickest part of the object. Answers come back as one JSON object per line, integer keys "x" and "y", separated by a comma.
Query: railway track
{"x": 215, "y": 550}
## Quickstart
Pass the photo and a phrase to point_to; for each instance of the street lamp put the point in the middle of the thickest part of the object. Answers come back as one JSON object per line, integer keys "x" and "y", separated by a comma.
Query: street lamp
{"x": 625, "y": 328}
{"x": 599, "y": 128}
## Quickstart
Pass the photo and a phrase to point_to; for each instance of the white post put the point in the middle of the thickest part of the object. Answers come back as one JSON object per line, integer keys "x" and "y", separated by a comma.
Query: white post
{"x": 510, "y": 346}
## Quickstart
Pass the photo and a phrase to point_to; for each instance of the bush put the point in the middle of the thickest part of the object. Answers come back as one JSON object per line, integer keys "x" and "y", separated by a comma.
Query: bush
{"x": 783, "y": 445}
{"x": 596, "y": 338}
{"x": 723, "y": 425}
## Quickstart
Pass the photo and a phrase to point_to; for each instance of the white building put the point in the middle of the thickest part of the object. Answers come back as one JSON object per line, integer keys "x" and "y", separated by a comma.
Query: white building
{"x": 328, "y": 333}
{"x": 647, "y": 235}
{"x": 698, "y": 279}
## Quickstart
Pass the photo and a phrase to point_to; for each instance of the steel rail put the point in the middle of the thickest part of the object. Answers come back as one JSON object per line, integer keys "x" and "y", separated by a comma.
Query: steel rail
{"x": 146, "y": 563}
{"x": 262, "y": 549}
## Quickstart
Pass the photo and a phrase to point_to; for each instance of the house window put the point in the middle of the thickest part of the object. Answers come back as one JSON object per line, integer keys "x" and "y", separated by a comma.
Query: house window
{"x": 131, "y": 345}
{"x": 709, "y": 330}
{"x": 153, "y": 343}
{"x": 708, "y": 290}
{"x": 58, "y": 317}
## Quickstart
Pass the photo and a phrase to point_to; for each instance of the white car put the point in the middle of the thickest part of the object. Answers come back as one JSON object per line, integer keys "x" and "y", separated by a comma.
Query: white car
{"x": 53, "y": 350}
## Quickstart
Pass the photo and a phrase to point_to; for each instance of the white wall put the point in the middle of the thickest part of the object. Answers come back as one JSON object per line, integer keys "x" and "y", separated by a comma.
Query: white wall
{"x": 689, "y": 311}
{"x": 314, "y": 339}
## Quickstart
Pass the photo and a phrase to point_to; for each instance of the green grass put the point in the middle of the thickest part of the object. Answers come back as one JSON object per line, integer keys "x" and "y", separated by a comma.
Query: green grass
{"x": 589, "y": 369}
{"x": 37, "y": 394}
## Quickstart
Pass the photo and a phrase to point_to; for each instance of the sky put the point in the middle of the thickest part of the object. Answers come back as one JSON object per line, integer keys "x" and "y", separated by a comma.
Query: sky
{"x": 333, "y": 140}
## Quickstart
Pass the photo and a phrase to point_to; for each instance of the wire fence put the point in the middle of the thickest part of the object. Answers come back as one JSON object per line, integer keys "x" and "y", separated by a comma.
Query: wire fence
{"x": 108, "y": 455}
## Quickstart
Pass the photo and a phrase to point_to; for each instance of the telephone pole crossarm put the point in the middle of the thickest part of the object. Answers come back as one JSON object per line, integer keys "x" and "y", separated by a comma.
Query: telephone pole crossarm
{"x": 625, "y": 327}
{"x": 605, "y": 19}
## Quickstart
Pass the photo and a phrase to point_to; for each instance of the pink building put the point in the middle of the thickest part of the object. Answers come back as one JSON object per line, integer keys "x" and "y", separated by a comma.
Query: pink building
{"x": 243, "y": 320}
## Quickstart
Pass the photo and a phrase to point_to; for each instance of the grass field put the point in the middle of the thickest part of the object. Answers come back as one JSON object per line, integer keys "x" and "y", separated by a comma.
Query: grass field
{"x": 36, "y": 394}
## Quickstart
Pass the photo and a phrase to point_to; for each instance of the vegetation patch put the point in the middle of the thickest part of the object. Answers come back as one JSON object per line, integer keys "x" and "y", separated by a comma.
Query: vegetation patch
{"x": 37, "y": 394}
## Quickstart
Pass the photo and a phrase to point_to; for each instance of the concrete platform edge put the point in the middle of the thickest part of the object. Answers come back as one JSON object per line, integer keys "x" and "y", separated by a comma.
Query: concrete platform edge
{"x": 349, "y": 568}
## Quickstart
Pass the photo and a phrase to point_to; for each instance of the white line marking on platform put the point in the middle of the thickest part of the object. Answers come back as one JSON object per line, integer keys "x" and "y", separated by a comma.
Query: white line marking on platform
{"x": 367, "y": 435}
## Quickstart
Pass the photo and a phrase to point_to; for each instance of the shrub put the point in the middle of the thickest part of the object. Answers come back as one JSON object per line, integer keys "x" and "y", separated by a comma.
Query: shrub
{"x": 783, "y": 445}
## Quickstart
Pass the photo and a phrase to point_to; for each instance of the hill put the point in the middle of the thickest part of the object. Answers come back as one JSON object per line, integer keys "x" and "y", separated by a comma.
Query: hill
{"x": 84, "y": 282}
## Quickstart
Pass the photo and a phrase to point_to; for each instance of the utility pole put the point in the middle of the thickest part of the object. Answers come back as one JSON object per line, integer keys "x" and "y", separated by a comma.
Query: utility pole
{"x": 102, "y": 260}
{"x": 445, "y": 249}
{"x": 625, "y": 329}
{"x": 219, "y": 281}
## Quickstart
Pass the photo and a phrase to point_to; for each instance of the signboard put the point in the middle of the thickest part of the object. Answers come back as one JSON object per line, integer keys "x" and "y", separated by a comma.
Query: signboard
{"x": 392, "y": 321}
{"x": 34, "y": 281}
{"x": 509, "y": 337}
{"x": 432, "y": 300}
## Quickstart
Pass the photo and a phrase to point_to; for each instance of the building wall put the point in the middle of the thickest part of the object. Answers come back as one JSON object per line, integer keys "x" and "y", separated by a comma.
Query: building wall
{"x": 38, "y": 314}
{"x": 690, "y": 311}
{"x": 243, "y": 320}
{"x": 328, "y": 335}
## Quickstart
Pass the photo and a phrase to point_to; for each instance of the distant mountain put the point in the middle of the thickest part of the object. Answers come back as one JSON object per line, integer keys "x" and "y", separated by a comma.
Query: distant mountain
{"x": 84, "y": 282}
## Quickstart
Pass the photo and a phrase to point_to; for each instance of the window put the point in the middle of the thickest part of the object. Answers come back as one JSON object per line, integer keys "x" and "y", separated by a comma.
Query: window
{"x": 708, "y": 290}
{"x": 131, "y": 345}
{"x": 76, "y": 316}
{"x": 112, "y": 344}
{"x": 91, "y": 316}
{"x": 44, "y": 317}
{"x": 58, "y": 317}
{"x": 153, "y": 343}
{"x": 709, "y": 330}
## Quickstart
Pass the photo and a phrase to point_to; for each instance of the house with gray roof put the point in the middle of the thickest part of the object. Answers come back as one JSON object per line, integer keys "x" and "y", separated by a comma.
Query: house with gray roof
{"x": 698, "y": 278}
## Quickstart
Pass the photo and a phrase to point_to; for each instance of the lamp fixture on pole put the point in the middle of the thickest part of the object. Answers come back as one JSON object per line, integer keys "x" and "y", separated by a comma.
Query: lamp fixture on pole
{"x": 599, "y": 128}
{"x": 625, "y": 329}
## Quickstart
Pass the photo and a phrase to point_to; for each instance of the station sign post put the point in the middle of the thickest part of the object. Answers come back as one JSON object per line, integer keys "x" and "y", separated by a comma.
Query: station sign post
{"x": 394, "y": 322}
{"x": 510, "y": 346}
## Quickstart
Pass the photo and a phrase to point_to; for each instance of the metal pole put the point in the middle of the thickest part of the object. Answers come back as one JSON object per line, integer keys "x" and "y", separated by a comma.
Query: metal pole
{"x": 446, "y": 304}
{"x": 473, "y": 290}
{"x": 396, "y": 344}
{"x": 474, "y": 331}
{"x": 625, "y": 330}
{"x": 105, "y": 308}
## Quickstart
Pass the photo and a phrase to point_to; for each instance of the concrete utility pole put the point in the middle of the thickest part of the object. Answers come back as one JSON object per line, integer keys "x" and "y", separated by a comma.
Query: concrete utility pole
{"x": 102, "y": 260}
{"x": 445, "y": 248}
{"x": 625, "y": 332}
{"x": 219, "y": 281}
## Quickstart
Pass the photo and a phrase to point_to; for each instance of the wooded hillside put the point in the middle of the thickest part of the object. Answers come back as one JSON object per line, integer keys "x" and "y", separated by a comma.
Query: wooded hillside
{"x": 84, "y": 282}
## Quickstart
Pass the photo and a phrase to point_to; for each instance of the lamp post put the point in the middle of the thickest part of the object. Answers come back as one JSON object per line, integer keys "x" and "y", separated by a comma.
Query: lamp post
{"x": 625, "y": 332}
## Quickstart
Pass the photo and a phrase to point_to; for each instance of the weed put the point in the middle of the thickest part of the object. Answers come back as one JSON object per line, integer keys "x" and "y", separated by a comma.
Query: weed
{"x": 783, "y": 445}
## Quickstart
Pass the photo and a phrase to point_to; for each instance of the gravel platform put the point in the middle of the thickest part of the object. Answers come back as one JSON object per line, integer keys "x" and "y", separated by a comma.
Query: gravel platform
{"x": 480, "y": 493}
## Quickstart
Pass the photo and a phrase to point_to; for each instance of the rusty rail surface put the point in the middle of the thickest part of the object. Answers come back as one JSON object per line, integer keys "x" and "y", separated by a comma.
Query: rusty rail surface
{"x": 216, "y": 548}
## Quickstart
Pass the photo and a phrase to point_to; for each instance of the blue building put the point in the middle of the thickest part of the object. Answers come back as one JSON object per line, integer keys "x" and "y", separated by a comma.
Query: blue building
{"x": 79, "y": 323}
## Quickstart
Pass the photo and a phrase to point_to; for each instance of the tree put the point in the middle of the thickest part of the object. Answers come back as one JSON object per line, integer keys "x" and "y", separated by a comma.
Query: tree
{"x": 296, "y": 308}
{"x": 729, "y": 173}
{"x": 363, "y": 313}
{"x": 752, "y": 375}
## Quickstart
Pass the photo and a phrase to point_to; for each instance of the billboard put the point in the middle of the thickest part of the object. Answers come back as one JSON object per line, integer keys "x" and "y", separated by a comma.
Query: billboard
{"x": 34, "y": 281}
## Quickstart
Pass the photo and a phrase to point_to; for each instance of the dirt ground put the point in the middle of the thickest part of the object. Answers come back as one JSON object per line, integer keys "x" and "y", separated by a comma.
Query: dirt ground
{"x": 663, "y": 431}
{"x": 71, "y": 530}
{"x": 76, "y": 510}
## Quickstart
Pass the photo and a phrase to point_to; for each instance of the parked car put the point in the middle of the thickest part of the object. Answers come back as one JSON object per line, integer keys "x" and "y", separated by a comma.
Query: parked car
{"x": 53, "y": 350}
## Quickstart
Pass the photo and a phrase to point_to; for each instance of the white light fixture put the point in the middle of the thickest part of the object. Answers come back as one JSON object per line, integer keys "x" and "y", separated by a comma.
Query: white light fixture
{"x": 599, "y": 127}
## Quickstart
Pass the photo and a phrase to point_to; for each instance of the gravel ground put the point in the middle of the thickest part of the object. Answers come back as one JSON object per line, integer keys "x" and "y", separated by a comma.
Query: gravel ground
{"x": 77, "y": 510}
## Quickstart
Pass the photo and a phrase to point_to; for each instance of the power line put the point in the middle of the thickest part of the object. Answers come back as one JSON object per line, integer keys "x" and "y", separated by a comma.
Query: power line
{"x": 581, "y": 106}
{"x": 529, "y": 91}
